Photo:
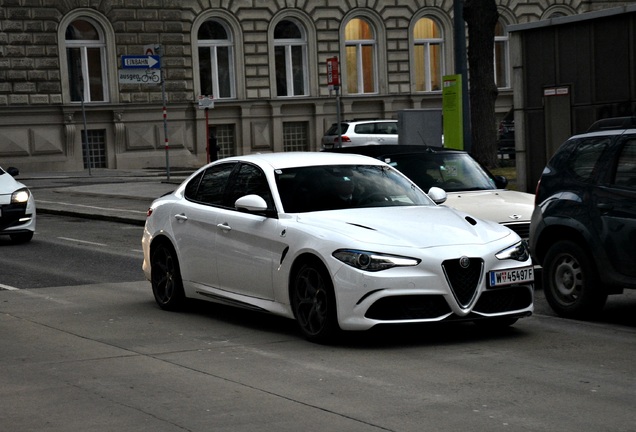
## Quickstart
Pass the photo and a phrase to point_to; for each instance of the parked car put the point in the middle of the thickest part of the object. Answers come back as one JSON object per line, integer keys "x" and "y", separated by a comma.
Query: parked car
{"x": 362, "y": 132}
{"x": 583, "y": 229}
{"x": 17, "y": 207}
{"x": 471, "y": 188}
{"x": 334, "y": 241}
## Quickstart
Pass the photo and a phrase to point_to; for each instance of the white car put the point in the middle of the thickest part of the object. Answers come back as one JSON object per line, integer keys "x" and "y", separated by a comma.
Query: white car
{"x": 361, "y": 132}
{"x": 338, "y": 242}
{"x": 470, "y": 187}
{"x": 17, "y": 208}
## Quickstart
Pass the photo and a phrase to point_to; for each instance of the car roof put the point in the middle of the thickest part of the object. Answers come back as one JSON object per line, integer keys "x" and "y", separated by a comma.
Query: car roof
{"x": 385, "y": 150}
{"x": 284, "y": 160}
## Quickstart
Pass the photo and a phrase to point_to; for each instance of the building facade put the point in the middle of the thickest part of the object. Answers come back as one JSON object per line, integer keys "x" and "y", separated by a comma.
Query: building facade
{"x": 77, "y": 87}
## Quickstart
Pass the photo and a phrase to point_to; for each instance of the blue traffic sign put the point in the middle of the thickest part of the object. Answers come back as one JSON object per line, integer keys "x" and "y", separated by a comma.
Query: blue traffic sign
{"x": 140, "y": 62}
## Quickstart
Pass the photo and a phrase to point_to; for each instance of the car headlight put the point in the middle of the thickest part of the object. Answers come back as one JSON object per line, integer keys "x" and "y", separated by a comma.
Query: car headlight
{"x": 20, "y": 196}
{"x": 373, "y": 261}
{"x": 517, "y": 252}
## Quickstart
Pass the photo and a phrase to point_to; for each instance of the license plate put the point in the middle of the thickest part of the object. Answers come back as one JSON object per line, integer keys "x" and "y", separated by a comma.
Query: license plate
{"x": 513, "y": 276}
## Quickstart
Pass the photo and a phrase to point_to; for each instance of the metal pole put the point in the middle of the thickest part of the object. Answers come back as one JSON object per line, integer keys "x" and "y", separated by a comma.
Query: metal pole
{"x": 87, "y": 145}
{"x": 461, "y": 68}
{"x": 165, "y": 114}
{"x": 207, "y": 135}
{"x": 337, "y": 88}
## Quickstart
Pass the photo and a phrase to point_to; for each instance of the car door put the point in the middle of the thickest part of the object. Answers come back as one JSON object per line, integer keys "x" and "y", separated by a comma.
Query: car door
{"x": 194, "y": 224}
{"x": 248, "y": 246}
{"x": 617, "y": 206}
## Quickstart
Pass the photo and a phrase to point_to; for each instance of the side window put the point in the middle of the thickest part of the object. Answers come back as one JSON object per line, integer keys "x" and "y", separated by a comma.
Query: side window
{"x": 364, "y": 128}
{"x": 251, "y": 180}
{"x": 584, "y": 156}
{"x": 626, "y": 168}
{"x": 209, "y": 186}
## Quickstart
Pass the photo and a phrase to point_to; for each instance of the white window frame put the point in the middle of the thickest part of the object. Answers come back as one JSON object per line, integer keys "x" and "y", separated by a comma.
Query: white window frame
{"x": 502, "y": 41}
{"x": 83, "y": 45}
{"x": 427, "y": 43}
{"x": 213, "y": 45}
{"x": 359, "y": 44}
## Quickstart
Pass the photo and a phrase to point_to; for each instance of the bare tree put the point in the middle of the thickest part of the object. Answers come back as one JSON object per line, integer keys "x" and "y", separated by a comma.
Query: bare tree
{"x": 481, "y": 17}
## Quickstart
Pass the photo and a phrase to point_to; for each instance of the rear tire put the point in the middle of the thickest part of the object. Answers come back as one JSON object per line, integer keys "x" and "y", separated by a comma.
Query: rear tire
{"x": 165, "y": 278}
{"x": 314, "y": 303}
{"x": 571, "y": 283}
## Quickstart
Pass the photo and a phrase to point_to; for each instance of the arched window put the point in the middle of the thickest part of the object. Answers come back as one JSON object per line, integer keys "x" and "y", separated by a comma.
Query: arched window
{"x": 86, "y": 61}
{"x": 428, "y": 55}
{"x": 502, "y": 61}
{"x": 361, "y": 57}
{"x": 290, "y": 53}
{"x": 216, "y": 60}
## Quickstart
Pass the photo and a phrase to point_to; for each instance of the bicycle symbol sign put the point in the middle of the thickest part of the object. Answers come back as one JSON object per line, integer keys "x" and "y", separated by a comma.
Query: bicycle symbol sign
{"x": 149, "y": 76}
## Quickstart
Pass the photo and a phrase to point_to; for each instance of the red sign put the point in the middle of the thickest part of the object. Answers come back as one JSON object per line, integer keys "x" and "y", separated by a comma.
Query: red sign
{"x": 333, "y": 72}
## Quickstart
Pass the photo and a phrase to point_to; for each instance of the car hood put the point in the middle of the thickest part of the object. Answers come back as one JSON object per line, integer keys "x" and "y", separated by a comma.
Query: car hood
{"x": 500, "y": 205}
{"x": 418, "y": 226}
{"x": 8, "y": 184}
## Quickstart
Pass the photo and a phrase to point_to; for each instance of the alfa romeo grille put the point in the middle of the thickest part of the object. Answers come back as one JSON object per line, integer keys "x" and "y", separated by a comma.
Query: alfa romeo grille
{"x": 463, "y": 279}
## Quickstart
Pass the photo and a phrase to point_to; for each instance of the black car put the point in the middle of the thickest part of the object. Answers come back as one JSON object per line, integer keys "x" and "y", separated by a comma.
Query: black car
{"x": 583, "y": 228}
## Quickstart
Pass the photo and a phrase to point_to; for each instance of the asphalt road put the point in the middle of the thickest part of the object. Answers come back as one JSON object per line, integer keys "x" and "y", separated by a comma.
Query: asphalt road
{"x": 101, "y": 356}
{"x": 89, "y": 350}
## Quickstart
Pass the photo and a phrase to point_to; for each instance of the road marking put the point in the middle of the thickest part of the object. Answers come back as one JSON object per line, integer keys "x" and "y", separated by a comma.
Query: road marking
{"x": 93, "y": 207}
{"x": 8, "y": 288}
{"x": 82, "y": 241}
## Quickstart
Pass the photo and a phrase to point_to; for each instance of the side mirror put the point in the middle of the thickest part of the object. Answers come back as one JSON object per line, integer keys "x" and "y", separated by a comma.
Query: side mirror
{"x": 251, "y": 203}
{"x": 438, "y": 195}
{"x": 501, "y": 181}
{"x": 13, "y": 171}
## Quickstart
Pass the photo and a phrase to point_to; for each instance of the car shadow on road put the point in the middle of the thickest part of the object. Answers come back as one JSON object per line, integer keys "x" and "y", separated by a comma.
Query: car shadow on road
{"x": 433, "y": 334}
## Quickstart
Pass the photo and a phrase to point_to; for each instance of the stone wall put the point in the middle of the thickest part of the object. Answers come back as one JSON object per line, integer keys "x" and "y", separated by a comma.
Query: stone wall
{"x": 41, "y": 129}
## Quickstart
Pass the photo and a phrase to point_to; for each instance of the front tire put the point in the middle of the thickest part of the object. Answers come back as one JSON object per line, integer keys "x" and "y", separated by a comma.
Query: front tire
{"x": 314, "y": 303}
{"x": 571, "y": 283}
{"x": 165, "y": 278}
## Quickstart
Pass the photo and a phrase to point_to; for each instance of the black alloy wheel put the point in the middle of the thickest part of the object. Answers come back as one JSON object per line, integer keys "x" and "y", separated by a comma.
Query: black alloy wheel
{"x": 165, "y": 278}
{"x": 314, "y": 303}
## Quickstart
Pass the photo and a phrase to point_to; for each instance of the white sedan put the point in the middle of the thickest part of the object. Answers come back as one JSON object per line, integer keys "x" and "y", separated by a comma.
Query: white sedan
{"x": 335, "y": 241}
{"x": 17, "y": 208}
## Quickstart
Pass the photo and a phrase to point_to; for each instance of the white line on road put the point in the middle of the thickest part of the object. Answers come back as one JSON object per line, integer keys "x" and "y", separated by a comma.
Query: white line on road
{"x": 93, "y": 207}
{"x": 8, "y": 288}
{"x": 82, "y": 241}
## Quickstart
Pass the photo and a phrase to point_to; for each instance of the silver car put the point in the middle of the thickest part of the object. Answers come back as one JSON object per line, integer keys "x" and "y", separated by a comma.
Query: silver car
{"x": 363, "y": 132}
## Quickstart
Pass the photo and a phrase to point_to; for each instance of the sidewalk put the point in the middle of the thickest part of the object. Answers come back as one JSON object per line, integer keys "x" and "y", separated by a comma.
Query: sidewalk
{"x": 113, "y": 195}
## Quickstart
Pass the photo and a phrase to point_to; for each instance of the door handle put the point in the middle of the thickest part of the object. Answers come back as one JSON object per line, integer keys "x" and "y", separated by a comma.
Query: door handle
{"x": 605, "y": 207}
{"x": 181, "y": 217}
{"x": 224, "y": 226}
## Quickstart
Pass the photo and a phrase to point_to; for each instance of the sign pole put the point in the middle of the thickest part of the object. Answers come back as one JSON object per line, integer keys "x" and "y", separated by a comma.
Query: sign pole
{"x": 207, "y": 135}
{"x": 333, "y": 81}
{"x": 165, "y": 114}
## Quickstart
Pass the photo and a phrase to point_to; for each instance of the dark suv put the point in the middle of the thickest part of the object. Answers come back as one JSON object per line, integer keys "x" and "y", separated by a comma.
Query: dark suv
{"x": 583, "y": 228}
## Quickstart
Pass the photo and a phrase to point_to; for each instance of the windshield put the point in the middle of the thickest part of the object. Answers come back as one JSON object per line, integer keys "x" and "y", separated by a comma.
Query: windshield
{"x": 453, "y": 172}
{"x": 333, "y": 187}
